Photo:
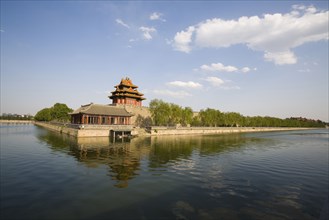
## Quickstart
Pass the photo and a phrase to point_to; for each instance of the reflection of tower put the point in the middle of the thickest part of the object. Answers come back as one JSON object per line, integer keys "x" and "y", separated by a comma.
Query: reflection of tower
{"x": 122, "y": 159}
{"x": 123, "y": 167}
{"x": 126, "y": 93}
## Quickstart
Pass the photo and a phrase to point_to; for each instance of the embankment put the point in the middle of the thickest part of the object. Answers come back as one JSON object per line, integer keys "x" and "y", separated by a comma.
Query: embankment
{"x": 85, "y": 130}
{"x": 214, "y": 130}
{"x": 16, "y": 121}
{"x": 105, "y": 131}
{"x": 58, "y": 128}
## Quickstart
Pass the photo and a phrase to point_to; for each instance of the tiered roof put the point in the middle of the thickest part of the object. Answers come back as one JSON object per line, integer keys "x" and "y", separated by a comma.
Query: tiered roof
{"x": 126, "y": 89}
{"x": 96, "y": 109}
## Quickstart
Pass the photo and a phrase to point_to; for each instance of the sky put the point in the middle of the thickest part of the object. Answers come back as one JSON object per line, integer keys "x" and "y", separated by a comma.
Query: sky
{"x": 266, "y": 58}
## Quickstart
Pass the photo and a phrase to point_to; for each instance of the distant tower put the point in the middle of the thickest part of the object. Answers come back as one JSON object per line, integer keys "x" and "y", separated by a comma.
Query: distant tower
{"x": 126, "y": 93}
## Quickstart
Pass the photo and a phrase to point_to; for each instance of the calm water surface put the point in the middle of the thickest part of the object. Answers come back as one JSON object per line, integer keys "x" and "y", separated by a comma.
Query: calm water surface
{"x": 276, "y": 175}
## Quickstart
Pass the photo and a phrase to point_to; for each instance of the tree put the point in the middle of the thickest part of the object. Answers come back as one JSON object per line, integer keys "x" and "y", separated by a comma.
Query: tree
{"x": 176, "y": 114}
{"x": 160, "y": 112}
{"x": 59, "y": 112}
{"x": 187, "y": 116}
{"x": 164, "y": 114}
{"x": 43, "y": 115}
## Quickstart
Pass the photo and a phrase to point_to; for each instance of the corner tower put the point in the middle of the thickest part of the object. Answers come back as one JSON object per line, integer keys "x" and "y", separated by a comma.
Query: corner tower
{"x": 126, "y": 93}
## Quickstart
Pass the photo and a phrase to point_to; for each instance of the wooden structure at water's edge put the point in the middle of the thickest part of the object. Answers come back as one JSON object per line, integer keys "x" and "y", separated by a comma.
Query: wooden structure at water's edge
{"x": 108, "y": 120}
{"x": 95, "y": 114}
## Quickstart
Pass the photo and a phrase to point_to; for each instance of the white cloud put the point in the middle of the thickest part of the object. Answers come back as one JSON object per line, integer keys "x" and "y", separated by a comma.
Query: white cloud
{"x": 157, "y": 16}
{"x": 219, "y": 67}
{"x": 119, "y": 21}
{"x": 245, "y": 69}
{"x": 222, "y": 84}
{"x": 147, "y": 32}
{"x": 280, "y": 58}
{"x": 175, "y": 94}
{"x": 188, "y": 84}
{"x": 274, "y": 34}
{"x": 183, "y": 39}
{"x": 214, "y": 81}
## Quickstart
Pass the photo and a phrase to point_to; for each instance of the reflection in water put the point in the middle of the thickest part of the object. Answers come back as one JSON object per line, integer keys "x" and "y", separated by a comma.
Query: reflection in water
{"x": 279, "y": 175}
{"x": 123, "y": 157}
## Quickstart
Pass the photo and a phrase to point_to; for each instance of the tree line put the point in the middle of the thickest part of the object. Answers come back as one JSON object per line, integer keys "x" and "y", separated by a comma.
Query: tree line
{"x": 16, "y": 117}
{"x": 169, "y": 114}
{"x": 59, "y": 112}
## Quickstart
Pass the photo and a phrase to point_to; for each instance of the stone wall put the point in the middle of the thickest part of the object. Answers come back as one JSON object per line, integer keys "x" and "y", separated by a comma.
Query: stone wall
{"x": 85, "y": 131}
{"x": 137, "y": 110}
{"x": 154, "y": 131}
{"x": 58, "y": 128}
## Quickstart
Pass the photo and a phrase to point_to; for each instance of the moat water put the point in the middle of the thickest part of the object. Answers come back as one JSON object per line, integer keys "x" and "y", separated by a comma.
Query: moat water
{"x": 272, "y": 175}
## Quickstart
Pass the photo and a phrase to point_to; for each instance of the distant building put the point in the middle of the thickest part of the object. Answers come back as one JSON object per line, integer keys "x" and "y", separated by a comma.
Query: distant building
{"x": 124, "y": 97}
{"x": 126, "y": 93}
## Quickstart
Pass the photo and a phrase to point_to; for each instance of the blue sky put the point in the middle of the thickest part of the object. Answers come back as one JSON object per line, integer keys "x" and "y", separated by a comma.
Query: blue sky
{"x": 267, "y": 58}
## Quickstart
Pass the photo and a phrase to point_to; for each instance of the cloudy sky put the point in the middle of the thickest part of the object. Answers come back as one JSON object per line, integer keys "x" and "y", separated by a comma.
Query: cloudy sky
{"x": 253, "y": 57}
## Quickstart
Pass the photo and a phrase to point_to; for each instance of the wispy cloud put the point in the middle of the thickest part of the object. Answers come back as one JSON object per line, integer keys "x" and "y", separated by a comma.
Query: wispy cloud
{"x": 175, "y": 94}
{"x": 274, "y": 34}
{"x": 189, "y": 84}
{"x": 183, "y": 40}
{"x": 147, "y": 32}
{"x": 214, "y": 81}
{"x": 157, "y": 16}
{"x": 219, "y": 67}
{"x": 220, "y": 83}
{"x": 119, "y": 21}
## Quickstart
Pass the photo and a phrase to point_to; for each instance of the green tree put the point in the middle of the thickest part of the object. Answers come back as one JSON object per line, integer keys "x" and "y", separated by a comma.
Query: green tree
{"x": 60, "y": 112}
{"x": 176, "y": 114}
{"x": 187, "y": 116}
{"x": 43, "y": 115}
{"x": 160, "y": 112}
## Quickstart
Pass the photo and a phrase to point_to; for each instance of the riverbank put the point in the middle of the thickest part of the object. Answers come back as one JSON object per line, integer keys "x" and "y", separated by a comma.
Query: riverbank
{"x": 81, "y": 131}
{"x": 16, "y": 121}
{"x": 215, "y": 130}
{"x": 107, "y": 131}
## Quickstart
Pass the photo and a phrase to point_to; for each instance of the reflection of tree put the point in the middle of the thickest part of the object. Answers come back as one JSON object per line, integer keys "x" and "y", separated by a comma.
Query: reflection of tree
{"x": 123, "y": 159}
{"x": 171, "y": 148}
{"x": 166, "y": 149}
{"x": 209, "y": 145}
{"x": 124, "y": 165}
{"x": 56, "y": 141}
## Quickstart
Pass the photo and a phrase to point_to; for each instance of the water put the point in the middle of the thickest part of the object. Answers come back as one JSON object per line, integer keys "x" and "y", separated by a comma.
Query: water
{"x": 276, "y": 175}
